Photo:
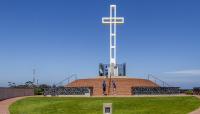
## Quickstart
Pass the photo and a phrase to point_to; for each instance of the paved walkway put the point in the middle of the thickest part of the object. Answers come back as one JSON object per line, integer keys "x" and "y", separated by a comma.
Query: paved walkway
{"x": 4, "y": 105}
{"x": 196, "y": 111}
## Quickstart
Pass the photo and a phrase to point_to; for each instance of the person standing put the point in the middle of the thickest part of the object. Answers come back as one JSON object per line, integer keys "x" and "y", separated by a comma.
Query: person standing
{"x": 114, "y": 87}
{"x": 104, "y": 87}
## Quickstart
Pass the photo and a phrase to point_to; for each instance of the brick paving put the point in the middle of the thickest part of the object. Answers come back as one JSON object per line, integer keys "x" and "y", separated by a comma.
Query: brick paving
{"x": 4, "y": 105}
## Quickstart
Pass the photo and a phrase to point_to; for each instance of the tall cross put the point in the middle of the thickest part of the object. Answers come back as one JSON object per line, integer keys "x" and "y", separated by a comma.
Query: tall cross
{"x": 113, "y": 21}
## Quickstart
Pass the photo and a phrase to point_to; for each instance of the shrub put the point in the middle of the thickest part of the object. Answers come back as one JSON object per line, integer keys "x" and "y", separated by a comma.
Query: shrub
{"x": 189, "y": 92}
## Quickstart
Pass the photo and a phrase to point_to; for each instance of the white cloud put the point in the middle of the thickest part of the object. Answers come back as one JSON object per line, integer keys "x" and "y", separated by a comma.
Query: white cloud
{"x": 188, "y": 72}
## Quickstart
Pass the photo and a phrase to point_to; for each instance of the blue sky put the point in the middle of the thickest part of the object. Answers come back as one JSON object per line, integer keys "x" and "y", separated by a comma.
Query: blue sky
{"x": 59, "y": 38}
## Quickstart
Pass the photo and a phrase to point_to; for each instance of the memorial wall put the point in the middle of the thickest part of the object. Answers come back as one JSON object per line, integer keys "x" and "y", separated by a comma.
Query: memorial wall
{"x": 6, "y": 93}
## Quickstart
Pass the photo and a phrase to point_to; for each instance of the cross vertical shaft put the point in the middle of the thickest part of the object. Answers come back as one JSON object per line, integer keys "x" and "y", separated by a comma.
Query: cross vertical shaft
{"x": 112, "y": 40}
{"x": 113, "y": 21}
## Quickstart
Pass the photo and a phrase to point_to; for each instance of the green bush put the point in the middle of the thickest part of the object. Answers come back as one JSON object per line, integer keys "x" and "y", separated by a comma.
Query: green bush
{"x": 189, "y": 92}
{"x": 38, "y": 91}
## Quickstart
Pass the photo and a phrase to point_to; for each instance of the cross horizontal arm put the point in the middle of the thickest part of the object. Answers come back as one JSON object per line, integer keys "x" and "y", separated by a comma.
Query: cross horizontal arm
{"x": 117, "y": 20}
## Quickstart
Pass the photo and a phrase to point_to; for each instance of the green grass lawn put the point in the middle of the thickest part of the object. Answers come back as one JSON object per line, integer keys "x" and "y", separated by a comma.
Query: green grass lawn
{"x": 91, "y": 105}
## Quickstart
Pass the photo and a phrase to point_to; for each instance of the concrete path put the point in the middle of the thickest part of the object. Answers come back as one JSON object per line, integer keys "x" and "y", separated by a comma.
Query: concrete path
{"x": 4, "y": 105}
{"x": 196, "y": 111}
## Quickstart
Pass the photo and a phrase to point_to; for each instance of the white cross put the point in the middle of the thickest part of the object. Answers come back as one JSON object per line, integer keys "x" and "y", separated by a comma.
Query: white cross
{"x": 113, "y": 21}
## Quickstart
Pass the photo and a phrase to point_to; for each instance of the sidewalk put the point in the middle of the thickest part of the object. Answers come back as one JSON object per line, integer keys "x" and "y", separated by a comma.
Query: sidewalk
{"x": 4, "y": 105}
